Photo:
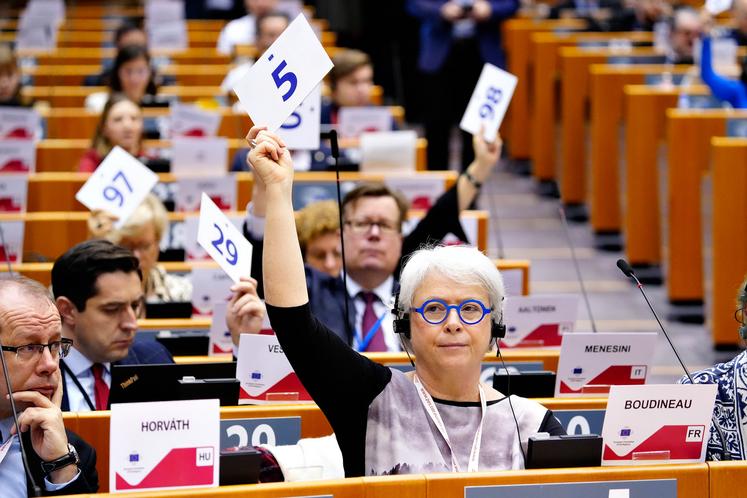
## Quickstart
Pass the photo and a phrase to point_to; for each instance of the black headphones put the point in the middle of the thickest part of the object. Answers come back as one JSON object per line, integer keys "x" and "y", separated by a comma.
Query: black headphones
{"x": 401, "y": 323}
{"x": 743, "y": 328}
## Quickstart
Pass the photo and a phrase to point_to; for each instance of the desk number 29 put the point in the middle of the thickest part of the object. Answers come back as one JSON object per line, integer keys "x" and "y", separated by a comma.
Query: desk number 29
{"x": 289, "y": 77}
{"x": 494, "y": 96}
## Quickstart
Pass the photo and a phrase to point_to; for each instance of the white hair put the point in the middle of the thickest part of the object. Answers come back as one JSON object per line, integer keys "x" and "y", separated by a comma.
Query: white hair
{"x": 463, "y": 264}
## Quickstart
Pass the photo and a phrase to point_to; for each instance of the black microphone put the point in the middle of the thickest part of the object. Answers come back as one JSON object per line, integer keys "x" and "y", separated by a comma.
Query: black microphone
{"x": 5, "y": 249}
{"x": 628, "y": 271}
{"x": 35, "y": 490}
{"x": 331, "y": 135}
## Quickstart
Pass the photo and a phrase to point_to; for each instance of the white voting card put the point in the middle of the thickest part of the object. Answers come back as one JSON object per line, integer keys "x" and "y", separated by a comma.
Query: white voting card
{"x": 220, "y": 336}
{"x": 539, "y": 321}
{"x": 223, "y": 241}
{"x": 191, "y": 121}
{"x": 284, "y": 75}
{"x": 17, "y": 156}
{"x": 118, "y": 185}
{"x": 164, "y": 445}
{"x": 13, "y": 193}
{"x": 489, "y": 102}
{"x": 210, "y": 286}
{"x": 301, "y": 130}
{"x": 388, "y": 151}
{"x": 590, "y": 363}
{"x": 220, "y": 189}
{"x": 352, "y": 121}
{"x": 264, "y": 374}
{"x": 12, "y": 233}
{"x": 168, "y": 36}
{"x": 657, "y": 424}
{"x": 421, "y": 191}
{"x": 205, "y": 156}
{"x": 193, "y": 251}
{"x": 18, "y": 122}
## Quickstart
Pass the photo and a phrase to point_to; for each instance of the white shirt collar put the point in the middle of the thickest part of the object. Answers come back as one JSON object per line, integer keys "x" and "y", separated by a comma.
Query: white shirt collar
{"x": 383, "y": 291}
{"x": 79, "y": 364}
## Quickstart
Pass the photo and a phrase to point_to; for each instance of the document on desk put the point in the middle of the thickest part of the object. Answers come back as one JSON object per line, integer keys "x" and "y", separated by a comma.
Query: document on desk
{"x": 592, "y": 362}
{"x": 164, "y": 445}
{"x": 657, "y": 424}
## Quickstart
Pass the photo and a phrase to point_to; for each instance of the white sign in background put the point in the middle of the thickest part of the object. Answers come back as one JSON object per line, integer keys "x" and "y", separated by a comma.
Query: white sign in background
{"x": 301, "y": 130}
{"x": 12, "y": 234}
{"x": 207, "y": 156}
{"x": 164, "y": 445}
{"x": 118, "y": 185}
{"x": 539, "y": 321}
{"x": 220, "y": 336}
{"x": 13, "y": 193}
{"x": 18, "y": 122}
{"x": 489, "y": 102}
{"x": 421, "y": 192}
{"x": 352, "y": 121}
{"x": 284, "y": 75}
{"x": 191, "y": 121}
{"x": 211, "y": 286}
{"x": 221, "y": 190}
{"x": 669, "y": 423}
{"x": 17, "y": 156}
{"x": 388, "y": 151}
{"x": 223, "y": 241}
{"x": 592, "y": 362}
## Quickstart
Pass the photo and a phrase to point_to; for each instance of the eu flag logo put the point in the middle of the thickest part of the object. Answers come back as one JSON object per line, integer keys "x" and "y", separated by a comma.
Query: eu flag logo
{"x": 256, "y": 375}
{"x": 624, "y": 432}
{"x": 134, "y": 457}
{"x": 577, "y": 371}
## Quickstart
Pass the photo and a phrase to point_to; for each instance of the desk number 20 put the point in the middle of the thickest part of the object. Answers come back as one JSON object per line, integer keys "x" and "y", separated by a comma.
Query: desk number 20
{"x": 494, "y": 96}
{"x": 289, "y": 77}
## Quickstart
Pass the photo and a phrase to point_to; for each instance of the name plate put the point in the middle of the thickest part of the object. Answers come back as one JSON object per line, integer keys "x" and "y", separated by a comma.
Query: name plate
{"x": 211, "y": 286}
{"x": 17, "y": 156}
{"x": 660, "y": 423}
{"x": 164, "y": 445}
{"x": 18, "y": 122}
{"x": 273, "y": 431}
{"x": 13, "y": 193}
{"x": 11, "y": 243}
{"x": 539, "y": 321}
{"x": 356, "y": 120}
{"x": 220, "y": 336}
{"x": 660, "y": 488}
{"x": 590, "y": 363}
{"x": 264, "y": 374}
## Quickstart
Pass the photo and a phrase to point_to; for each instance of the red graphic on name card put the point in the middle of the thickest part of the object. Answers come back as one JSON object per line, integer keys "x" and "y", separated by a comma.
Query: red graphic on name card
{"x": 178, "y": 468}
{"x": 222, "y": 203}
{"x": 23, "y": 133}
{"x": 194, "y": 132}
{"x": 9, "y": 205}
{"x": 288, "y": 385}
{"x": 421, "y": 202}
{"x": 672, "y": 438}
{"x": 13, "y": 257}
{"x": 14, "y": 165}
{"x": 616, "y": 375}
{"x": 543, "y": 336}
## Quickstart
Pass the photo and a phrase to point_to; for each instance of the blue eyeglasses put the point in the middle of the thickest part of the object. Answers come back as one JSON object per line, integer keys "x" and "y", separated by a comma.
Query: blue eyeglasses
{"x": 435, "y": 311}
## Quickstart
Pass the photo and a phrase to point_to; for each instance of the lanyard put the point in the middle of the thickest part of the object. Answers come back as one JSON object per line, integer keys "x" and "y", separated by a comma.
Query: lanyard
{"x": 430, "y": 407}
{"x": 367, "y": 340}
{"x": 78, "y": 385}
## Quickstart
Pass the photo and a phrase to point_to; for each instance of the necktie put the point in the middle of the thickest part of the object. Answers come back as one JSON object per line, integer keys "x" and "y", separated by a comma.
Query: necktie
{"x": 369, "y": 320}
{"x": 100, "y": 389}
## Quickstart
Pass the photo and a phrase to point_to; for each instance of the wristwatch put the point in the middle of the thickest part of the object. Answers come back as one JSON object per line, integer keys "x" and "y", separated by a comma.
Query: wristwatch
{"x": 70, "y": 459}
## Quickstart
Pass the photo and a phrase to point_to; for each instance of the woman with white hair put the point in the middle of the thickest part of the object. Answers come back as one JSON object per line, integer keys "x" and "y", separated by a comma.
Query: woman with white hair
{"x": 439, "y": 417}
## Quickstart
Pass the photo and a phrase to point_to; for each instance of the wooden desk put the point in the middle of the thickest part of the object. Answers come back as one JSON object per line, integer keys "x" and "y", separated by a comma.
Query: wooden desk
{"x": 729, "y": 259}
{"x": 689, "y": 135}
{"x": 95, "y": 56}
{"x": 724, "y": 477}
{"x": 516, "y": 39}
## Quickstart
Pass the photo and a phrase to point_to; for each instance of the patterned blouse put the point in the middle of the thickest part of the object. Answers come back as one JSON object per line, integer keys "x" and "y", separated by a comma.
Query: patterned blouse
{"x": 163, "y": 287}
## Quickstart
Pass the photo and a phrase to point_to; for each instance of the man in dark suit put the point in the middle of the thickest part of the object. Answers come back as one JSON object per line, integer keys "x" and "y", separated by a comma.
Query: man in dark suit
{"x": 60, "y": 462}
{"x": 98, "y": 291}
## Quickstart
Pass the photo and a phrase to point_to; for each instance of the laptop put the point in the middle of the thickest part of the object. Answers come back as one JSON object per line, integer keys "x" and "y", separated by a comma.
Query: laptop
{"x": 174, "y": 309}
{"x": 553, "y": 452}
{"x": 528, "y": 384}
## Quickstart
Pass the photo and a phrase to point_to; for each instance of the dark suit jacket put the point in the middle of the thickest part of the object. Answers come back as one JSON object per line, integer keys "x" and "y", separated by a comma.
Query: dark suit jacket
{"x": 87, "y": 481}
{"x": 327, "y": 294}
{"x": 436, "y": 32}
{"x": 142, "y": 352}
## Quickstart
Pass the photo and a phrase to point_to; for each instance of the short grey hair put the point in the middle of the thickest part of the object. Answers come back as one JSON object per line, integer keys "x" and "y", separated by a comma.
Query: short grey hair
{"x": 463, "y": 264}
{"x": 27, "y": 287}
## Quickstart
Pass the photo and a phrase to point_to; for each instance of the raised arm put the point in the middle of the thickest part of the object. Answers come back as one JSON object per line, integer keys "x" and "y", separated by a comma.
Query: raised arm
{"x": 486, "y": 157}
{"x": 284, "y": 276}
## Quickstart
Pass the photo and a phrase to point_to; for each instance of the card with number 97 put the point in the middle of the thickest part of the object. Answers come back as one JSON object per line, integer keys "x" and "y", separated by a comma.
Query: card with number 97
{"x": 223, "y": 241}
{"x": 118, "y": 185}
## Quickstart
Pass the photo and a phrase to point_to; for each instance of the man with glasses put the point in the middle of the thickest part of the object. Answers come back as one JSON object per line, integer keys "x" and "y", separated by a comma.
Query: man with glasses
{"x": 730, "y": 411}
{"x": 59, "y": 461}
{"x": 98, "y": 291}
{"x": 373, "y": 217}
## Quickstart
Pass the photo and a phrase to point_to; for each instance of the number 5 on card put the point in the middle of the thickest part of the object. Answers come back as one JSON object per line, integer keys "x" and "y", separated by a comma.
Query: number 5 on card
{"x": 223, "y": 241}
{"x": 118, "y": 185}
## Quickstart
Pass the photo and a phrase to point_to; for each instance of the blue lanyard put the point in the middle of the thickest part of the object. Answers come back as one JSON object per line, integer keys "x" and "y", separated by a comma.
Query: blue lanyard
{"x": 367, "y": 340}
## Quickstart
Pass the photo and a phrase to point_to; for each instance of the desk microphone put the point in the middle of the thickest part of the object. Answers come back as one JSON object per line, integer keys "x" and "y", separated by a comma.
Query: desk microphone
{"x": 35, "y": 491}
{"x": 5, "y": 249}
{"x": 628, "y": 271}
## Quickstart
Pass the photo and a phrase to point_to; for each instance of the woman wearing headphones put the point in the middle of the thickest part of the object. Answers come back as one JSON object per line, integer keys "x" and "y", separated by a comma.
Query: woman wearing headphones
{"x": 731, "y": 407}
{"x": 439, "y": 417}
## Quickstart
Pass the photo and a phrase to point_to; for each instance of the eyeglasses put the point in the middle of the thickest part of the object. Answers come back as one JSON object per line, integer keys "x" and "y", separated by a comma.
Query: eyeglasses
{"x": 435, "y": 311}
{"x": 58, "y": 349}
{"x": 363, "y": 226}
